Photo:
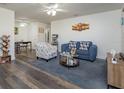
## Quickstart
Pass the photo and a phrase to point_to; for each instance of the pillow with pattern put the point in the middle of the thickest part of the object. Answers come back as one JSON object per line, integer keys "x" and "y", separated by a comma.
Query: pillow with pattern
{"x": 84, "y": 45}
{"x": 72, "y": 44}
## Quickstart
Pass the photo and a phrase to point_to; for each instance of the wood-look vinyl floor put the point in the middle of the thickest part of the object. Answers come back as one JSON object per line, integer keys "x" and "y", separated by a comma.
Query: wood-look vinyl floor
{"x": 21, "y": 75}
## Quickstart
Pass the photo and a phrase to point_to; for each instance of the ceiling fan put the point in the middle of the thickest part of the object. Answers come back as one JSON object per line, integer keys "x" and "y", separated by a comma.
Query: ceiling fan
{"x": 52, "y": 9}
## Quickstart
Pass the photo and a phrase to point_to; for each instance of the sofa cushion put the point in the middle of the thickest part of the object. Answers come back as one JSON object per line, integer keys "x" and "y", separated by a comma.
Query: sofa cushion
{"x": 84, "y": 45}
{"x": 82, "y": 52}
{"x": 72, "y": 44}
{"x": 72, "y": 47}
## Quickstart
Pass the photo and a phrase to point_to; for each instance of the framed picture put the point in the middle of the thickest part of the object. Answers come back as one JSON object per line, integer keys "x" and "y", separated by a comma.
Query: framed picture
{"x": 41, "y": 30}
{"x": 16, "y": 30}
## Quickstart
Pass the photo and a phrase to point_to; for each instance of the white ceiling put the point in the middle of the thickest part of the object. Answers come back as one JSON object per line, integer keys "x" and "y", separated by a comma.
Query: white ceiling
{"x": 31, "y": 11}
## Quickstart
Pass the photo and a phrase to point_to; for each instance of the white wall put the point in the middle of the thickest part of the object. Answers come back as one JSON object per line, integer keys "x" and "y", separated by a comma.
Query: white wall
{"x": 23, "y": 33}
{"x": 105, "y": 31}
{"x": 7, "y": 24}
{"x": 122, "y": 39}
{"x": 33, "y": 34}
{"x": 122, "y": 28}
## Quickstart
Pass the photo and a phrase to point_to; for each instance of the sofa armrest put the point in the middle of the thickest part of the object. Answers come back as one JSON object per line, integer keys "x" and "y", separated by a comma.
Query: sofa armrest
{"x": 93, "y": 52}
{"x": 65, "y": 47}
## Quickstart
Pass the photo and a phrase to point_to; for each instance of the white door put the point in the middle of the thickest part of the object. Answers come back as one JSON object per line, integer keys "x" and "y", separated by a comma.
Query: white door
{"x": 41, "y": 34}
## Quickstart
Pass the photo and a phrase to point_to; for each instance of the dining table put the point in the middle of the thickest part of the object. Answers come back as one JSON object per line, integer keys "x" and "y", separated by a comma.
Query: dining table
{"x": 24, "y": 44}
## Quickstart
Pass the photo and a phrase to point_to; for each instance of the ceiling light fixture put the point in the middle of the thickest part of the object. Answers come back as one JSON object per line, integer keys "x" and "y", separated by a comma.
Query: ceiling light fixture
{"x": 23, "y": 24}
{"x": 51, "y": 10}
{"x": 48, "y": 12}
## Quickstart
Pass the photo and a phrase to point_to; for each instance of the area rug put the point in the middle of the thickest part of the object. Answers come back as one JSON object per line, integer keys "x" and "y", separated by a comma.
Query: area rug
{"x": 88, "y": 75}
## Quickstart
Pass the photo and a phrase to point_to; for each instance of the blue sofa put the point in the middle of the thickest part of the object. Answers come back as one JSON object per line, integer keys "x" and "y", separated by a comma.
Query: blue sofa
{"x": 89, "y": 54}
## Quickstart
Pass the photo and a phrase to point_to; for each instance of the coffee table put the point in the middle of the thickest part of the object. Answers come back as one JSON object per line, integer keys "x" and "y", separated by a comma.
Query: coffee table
{"x": 68, "y": 60}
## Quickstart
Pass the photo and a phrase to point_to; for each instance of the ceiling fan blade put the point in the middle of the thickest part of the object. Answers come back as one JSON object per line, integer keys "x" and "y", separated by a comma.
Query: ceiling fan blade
{"x": 55, "y": 6}
{"x": 46, "y": 7}
{"x": 61, "y": 10}
{"x": 44, "y": 10}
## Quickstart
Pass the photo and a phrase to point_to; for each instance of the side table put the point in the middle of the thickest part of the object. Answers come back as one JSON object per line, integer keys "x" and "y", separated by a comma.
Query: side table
{"x": 115, "y": 72}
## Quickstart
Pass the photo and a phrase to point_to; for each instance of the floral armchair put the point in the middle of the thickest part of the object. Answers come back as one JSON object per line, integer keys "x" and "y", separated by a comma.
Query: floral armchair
{"x": 45, "y": 50}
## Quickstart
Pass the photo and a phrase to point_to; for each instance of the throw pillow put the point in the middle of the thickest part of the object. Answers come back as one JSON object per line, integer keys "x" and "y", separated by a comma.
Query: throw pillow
{"x": 73, "y": 51}
{"x": 84, "y": 45}
{"x": 72, "y": 44}
{"x": 72, "y": 47}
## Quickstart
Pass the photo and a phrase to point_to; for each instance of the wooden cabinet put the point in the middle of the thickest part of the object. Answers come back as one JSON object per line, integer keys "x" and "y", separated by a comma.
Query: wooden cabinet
{"x": 115, "y": 72}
